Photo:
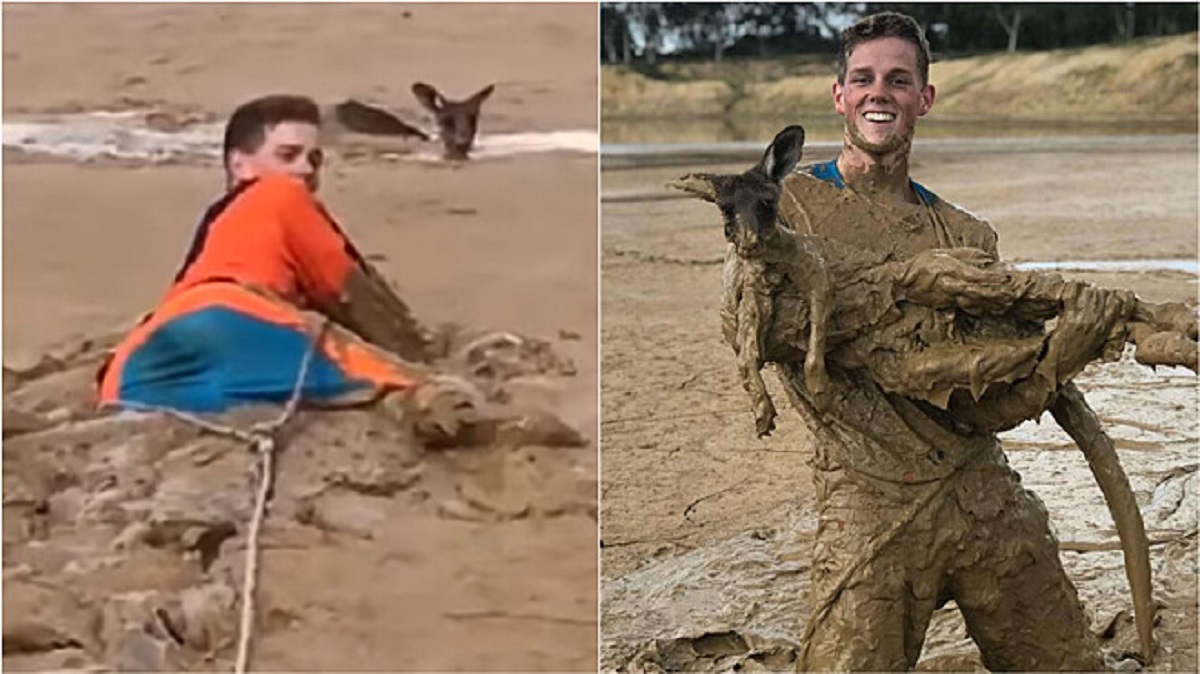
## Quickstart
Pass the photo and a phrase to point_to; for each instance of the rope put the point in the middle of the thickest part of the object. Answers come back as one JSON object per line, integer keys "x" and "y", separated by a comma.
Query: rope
{"x": 266, "y": 449}
{"x": 261, "y": 437}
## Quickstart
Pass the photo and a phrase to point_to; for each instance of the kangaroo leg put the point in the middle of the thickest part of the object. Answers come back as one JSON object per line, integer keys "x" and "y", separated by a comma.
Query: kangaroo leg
{"x": 1165, "y": 334}
{"x": 816, "y": 378}
{"x": 753, "y": 319}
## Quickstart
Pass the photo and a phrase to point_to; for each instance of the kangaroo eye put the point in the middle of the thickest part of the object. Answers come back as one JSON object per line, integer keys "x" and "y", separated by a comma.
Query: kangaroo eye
{"x": 729, "y": 230}
{"x": 766, "y": 212}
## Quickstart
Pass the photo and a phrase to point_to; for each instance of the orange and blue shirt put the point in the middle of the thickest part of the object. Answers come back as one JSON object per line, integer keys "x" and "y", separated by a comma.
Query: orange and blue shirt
{"x": 231, "y": 329}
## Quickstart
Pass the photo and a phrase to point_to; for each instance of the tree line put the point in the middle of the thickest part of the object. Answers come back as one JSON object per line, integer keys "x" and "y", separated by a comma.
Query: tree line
{"x": 647, "y": 32}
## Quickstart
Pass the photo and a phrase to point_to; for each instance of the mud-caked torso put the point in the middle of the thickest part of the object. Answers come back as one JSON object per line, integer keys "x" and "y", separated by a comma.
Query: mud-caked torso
{"x": 816, "y": 201}
{"x": 883, "y": 439}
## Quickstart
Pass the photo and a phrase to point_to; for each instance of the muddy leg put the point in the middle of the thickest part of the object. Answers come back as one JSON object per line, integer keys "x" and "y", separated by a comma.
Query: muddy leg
{"x": 753, "y": 314}
{"x": 1156, "y": 347}
{"x": 1020, "y": 607}
{"x": 962, "y": 278}
{"x": 1167, "y": 317}
{"x": 815, "y": 375}
{"x": 877, "y": 621}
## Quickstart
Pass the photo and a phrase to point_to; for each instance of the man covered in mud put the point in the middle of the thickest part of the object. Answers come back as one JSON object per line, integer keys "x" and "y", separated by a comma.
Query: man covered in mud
{"x": 268, "y": 273}
{"x": 916, "y": 507}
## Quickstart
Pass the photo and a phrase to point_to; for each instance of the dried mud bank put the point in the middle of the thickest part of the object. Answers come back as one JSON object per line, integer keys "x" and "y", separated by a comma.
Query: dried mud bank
{"x": 1104, "y": 81}
{"x": 741, "y": 602}
{"x": 125, "y": 535}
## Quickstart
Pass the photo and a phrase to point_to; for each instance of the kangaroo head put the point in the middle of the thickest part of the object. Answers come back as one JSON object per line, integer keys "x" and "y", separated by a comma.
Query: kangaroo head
{"x": 749, "y": 201}
{"x": 457, "y": 121}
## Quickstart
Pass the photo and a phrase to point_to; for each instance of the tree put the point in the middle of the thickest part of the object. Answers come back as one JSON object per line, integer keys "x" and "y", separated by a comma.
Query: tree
{"x": 649, "y": 32}
{"x": 1011, "y": 23}
{"x": 614, "y": 34}
{"x": 1125, "y": 18}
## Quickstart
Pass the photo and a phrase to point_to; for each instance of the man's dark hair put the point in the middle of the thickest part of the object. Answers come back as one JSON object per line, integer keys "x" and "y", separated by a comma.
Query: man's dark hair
{"x": 885, "y": 24}
{"x": 248, "y": 126}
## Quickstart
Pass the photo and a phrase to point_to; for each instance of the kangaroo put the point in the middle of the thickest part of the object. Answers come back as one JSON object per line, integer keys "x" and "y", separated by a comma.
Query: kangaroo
{"x": 788, "y": 297}
{"x": 457, "y": 121}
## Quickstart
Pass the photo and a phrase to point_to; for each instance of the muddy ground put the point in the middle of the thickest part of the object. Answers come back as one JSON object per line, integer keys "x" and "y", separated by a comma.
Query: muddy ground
{"x": 706, "y": 530}
{"x": 393, "y": 573}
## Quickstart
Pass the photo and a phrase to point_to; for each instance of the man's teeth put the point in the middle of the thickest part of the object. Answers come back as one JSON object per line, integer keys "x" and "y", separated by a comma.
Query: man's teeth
{"x": 879, "y": 116}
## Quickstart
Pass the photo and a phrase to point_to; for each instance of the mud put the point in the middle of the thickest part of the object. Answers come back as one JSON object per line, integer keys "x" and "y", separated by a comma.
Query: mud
{"x": 763, "y": 493}
{"x": 124, "y": 536}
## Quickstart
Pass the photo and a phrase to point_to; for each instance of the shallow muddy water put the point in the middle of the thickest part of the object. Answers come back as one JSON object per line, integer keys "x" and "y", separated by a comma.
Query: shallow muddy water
{"x": 621, "y": 156}
{"x": 826, "y": 126}
{"x": 1186, "y": 266}
{"x": 125, "y": 135}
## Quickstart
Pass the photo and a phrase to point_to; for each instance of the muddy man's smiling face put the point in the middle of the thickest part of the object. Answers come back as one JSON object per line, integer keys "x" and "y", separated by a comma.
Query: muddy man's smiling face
{"x": 882, "y": 95}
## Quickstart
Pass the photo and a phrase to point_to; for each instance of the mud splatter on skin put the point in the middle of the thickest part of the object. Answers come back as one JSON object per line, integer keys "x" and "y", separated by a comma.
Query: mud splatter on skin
{"x": 876, "y": 171}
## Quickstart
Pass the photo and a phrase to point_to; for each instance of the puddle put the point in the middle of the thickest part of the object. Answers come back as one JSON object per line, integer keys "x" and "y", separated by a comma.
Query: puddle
{"x": 620, "y": 156}
{"x": 113, "y": 135}
{"x": 124, "y": 135}
{"x": 824, "y": 125}
{"x": 550, "y": 141}
{"x": 1184, "y": 265}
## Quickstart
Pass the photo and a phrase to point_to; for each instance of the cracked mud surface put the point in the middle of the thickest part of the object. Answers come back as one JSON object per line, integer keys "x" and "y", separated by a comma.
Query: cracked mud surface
{"x": 707, "y": 530}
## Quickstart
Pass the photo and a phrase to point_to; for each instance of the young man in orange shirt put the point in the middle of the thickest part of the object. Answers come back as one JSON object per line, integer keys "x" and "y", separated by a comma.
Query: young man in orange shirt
{"x": 267, "y": 268}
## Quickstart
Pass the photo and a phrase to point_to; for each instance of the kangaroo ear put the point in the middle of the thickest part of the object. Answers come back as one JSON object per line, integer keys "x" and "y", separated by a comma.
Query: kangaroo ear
{"x": 481, "y": 95}
{"x": 702, "y": 185}
{"x": 428, "y": 96}
{"x": 783, "y": 154}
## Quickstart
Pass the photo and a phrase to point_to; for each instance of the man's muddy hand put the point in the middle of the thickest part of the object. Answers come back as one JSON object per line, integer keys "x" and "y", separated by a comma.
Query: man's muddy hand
{"x": 443, "y": 410}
